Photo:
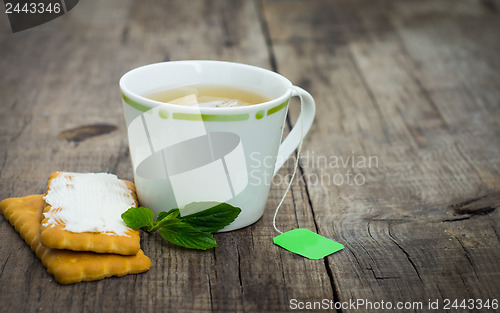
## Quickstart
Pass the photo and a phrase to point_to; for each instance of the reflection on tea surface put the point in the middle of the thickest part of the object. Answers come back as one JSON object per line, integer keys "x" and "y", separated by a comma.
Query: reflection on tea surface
{"x": 212, "y": 96}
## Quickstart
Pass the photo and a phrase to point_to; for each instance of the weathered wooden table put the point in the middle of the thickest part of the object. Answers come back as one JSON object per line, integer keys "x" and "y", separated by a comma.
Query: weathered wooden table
{"x": 413, "y": 86}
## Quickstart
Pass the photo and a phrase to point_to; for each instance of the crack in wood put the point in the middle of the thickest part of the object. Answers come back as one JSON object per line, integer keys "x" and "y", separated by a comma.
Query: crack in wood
{"x": 210, "y": 293}
{"x": 384, "y": 278}
{"x": 283, "y": 277}
{"x": 440, "y": 291}
{"x": 362, "y": 247}
{"x": 456, "y": 219}
{"x": 5, "y": 264}
{"x": 495, "y": 231}
{"x": 370, "y": 268}
{"x": 483, "y": 205}
{"x": 332, "y": 282}
{"x": 467, "y": 256}
{"x": 466, "y": 287}
{"x": 478, "y": 206}
{"x": 355, "y": 257}
{"x": 412, "y": 263}
{"x": 266, "y": 33}
{"x": 239, "y": 270}
{"x": 228, "y": 39}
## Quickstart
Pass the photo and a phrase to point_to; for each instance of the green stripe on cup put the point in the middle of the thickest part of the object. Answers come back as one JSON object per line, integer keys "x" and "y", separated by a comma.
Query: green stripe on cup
{"x": 260, "y": 114}
{"x": 210, "y": 117}
{"x": 277, "y": 108}
{"x": 204, "y": 117}
{"x": 163, "y": 114}
{"x": 135, "y": 105}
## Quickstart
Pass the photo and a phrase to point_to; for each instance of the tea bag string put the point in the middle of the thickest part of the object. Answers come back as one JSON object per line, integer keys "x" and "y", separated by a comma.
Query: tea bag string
{"x": 296, "y": 166}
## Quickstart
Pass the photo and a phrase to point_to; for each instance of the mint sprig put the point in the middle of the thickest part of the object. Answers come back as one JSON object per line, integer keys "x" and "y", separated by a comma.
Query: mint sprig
{"x": 191, "y": 231}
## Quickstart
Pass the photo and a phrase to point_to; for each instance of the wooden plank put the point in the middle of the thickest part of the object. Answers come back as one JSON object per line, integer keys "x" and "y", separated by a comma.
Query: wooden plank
{"x": 380, "y": 73}
{"x": 60, "y": 81}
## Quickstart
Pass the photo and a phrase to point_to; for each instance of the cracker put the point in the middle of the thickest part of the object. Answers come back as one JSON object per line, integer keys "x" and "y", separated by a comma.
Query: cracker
{"x": 55, "y": 236}
{"x": 67, "y": 266}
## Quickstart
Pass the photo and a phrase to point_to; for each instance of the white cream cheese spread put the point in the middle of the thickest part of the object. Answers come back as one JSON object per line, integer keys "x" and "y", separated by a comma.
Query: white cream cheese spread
{"x": 89, "y": 202}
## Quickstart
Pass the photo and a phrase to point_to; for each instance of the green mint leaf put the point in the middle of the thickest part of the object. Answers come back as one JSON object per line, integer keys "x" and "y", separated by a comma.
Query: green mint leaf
{"x": 162, "y": 215}
{"x": 212, "y": 219}
{"x": 193, "y": 230}
{"x": 195, "y": 207}
{"x": 166, "y": 220}
{"x": 138, "y": 217}
{"x": 183, "y": 234}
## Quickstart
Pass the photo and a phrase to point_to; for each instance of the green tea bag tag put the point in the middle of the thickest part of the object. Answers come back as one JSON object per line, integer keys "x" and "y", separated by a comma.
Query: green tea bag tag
{"x": 307, "y": 243}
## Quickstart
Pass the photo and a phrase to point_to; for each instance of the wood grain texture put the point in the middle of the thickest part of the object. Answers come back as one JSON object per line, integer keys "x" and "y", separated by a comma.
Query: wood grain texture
{"x": 400, "y": 81}
{"x": 413, "y": 84}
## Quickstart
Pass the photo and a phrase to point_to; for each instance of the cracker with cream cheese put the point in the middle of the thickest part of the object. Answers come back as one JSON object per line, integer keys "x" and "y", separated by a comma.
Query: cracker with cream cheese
{"x": 67, "y": 266}
{"x": 77, "y": 217}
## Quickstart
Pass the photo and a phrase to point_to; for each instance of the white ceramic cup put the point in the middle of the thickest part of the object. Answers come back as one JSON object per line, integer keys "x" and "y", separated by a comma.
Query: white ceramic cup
{"x": 182, "y": 154}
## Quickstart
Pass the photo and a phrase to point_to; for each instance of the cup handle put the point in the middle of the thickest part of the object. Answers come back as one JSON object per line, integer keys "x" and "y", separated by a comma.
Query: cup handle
{"x": 293, "y": 139}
